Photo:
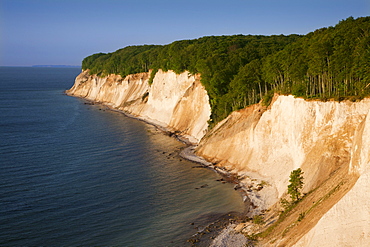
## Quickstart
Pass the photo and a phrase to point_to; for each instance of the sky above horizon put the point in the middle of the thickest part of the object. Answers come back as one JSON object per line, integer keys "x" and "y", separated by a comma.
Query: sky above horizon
{"x": 63, "y": 32}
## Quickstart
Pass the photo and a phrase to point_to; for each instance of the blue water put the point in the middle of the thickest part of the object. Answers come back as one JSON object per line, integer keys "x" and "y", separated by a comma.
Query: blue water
{"x": 76, "y": 174}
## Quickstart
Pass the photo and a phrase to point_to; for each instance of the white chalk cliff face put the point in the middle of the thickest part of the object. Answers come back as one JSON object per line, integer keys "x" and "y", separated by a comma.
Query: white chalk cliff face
{"x": 325, "y": 139}
{"x": 177, "y": 102}
{"x": 347, "y": 223}
{"x": 329, "y": 141}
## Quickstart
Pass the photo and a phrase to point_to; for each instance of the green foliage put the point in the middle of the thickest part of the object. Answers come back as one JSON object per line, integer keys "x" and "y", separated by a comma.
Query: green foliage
{"x": 301, "y": 216}
{"x": 296, "y": 184}
{"x": 285, "y": 204}
{"x": 267, "y": 98}
{"x": 299, "y": 90}
{"x": 258, "y": 219}
{"x": 152, "y": 74}
{"x": 241, "y": 70}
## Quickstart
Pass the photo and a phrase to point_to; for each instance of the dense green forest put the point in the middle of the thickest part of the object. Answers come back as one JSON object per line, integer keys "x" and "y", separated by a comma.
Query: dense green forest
{"x": 240, "y": 70}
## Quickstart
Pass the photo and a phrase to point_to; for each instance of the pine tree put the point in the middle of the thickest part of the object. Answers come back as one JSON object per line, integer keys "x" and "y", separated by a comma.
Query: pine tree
{"x": 296, "y": 184}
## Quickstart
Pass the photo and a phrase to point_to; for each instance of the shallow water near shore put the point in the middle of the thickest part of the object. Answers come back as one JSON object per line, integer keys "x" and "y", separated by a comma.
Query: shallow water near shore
{"x": 79, "y": 174}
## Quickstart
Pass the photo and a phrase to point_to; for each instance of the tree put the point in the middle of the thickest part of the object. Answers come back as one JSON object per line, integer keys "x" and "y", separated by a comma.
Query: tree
{"x": 296, "y": 184}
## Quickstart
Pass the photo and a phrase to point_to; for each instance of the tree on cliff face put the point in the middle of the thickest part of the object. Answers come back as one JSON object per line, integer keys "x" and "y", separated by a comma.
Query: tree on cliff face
{"x": 296, "y": 184}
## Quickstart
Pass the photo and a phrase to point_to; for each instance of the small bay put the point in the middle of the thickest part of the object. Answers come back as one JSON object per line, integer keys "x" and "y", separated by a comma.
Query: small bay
{"x": 77, "y": 174}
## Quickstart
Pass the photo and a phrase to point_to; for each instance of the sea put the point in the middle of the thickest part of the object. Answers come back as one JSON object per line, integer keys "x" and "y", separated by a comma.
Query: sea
{"x": 78, "y": 174}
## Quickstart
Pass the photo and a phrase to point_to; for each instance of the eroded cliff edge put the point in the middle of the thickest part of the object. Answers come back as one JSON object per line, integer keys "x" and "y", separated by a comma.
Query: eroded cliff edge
{"x": 329, "y": 141}
{"x": 177, "y": 102}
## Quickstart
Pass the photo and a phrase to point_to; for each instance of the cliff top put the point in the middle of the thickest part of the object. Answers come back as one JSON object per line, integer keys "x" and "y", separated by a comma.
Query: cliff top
{"x": 241, "y": 70}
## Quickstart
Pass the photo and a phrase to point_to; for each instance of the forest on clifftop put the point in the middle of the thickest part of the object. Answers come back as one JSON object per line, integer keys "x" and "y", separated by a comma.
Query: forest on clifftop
{"x": 240, "y": 70}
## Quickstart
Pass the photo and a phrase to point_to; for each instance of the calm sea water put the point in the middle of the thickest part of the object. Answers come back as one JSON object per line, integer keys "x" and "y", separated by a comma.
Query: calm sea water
{"x": 78, "y": 174}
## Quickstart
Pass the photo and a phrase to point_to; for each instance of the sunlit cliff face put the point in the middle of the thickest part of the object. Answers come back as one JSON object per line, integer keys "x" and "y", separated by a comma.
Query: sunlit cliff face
{"x": 178, "y": 102}
{"x": 316, "y": 136}
{"x": 329, "y": 141}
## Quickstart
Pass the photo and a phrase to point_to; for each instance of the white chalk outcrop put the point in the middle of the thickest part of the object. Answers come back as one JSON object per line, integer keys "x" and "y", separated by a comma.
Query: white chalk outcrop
{"x": 177, "y": 102}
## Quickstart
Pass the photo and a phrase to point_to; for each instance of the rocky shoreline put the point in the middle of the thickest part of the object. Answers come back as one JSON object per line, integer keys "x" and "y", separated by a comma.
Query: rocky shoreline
{"x": 221, "y": 231}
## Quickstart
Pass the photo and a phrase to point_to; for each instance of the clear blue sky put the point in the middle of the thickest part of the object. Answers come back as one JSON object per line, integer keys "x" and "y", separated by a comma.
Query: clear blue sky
{"x": 63, "y": 32}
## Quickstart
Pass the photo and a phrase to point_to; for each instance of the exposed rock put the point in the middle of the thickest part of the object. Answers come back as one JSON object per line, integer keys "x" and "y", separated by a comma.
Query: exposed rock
{"x": 229, "y": 237}
{"x": 327, "y": 140}
{"x": 347, "y": 223}
{"x": 178, "y": 103}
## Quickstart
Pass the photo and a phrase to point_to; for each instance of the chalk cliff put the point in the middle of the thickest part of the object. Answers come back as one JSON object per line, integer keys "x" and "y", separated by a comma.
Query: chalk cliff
{"x": 329, "y": 141}
{"x": 347, "y": 223}
{"x": 177, "y": 102}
